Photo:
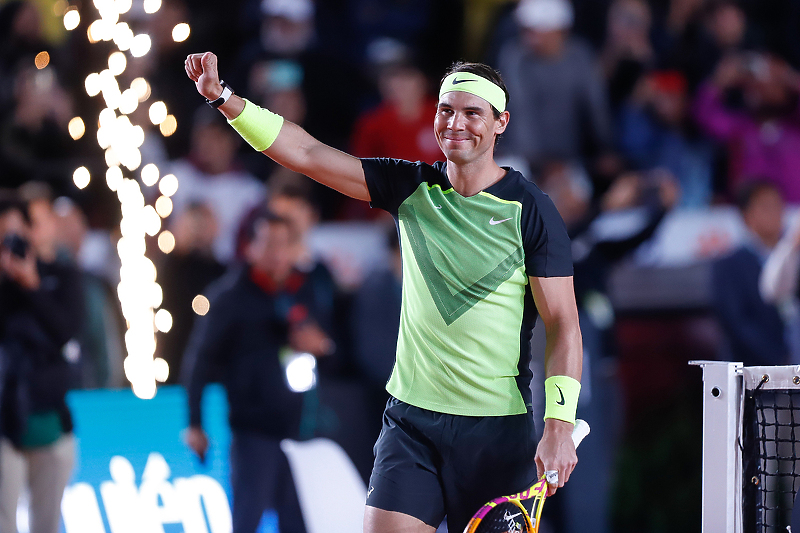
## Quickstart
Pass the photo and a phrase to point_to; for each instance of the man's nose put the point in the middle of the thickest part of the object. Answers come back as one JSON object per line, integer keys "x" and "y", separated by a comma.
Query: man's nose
{"x": 457, "y": 122}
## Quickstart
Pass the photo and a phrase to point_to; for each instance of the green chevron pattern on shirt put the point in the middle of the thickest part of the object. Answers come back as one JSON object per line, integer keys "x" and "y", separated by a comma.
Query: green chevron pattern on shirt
{"x": 464, "y": 284}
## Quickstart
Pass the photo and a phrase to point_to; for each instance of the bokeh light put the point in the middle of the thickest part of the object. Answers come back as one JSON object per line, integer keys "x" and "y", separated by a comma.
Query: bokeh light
{"x": 76, "y": 128}
{"x": 92, "y": 84}
{"x": 72, "y": 19}
{"x": 180, "y": 32}
{"x": 168, "y": 126}
{"x": 117, "y": 63}
{"x": 160, "y": 366}
{"x": 141, "y": 88}
{"x": 158, "y": 112}
{"x": 150, "y": 174}
{"x": 81, "y": 177}
{"x": 151, "y": 6}
{"x": 140, "y": 45}
{"x": 41, "y": 60}
{"x": 200, "y": 305}
{"x": 163, "y": 206}
{"x": 168, "y": 185}
{"x": 163, "y": 320}
{"x": 114, "y": 178}
{"x": 166, "y": 241}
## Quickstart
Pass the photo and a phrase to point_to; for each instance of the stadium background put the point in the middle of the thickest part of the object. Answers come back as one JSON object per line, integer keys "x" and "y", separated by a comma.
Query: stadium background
{"x": 648, "y": 306}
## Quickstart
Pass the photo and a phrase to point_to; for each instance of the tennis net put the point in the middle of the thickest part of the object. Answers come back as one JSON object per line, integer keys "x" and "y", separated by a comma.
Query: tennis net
{"x": 751, "y": 447}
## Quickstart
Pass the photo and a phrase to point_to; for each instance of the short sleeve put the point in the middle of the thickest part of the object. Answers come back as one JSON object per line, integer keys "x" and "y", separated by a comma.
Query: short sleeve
{"x": 391, "y": 181}
{"x": 548, "y": 252}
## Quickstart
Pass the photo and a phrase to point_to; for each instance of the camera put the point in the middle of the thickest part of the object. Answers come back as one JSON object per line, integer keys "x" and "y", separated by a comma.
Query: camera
{"x": 16, "y": 244}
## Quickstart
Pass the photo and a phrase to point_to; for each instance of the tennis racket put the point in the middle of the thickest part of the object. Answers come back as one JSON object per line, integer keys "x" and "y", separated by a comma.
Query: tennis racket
{"x": 507, "y": 515}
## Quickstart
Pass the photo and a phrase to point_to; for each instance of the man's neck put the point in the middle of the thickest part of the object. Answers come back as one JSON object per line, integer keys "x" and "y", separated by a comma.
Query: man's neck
{"x": 471, "y": 178}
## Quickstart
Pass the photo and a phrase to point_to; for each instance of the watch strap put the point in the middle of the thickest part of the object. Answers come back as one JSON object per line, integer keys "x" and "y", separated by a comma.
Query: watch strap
{"x": 227, "y": 92}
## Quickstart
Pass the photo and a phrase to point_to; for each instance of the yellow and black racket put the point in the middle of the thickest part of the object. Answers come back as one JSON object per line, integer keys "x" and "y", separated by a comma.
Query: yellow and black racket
{"x": 507, "y": 514}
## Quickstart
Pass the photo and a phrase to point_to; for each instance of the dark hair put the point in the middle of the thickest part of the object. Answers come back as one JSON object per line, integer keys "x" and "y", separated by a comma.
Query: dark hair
{"x": 254, "y": 219}
{"x": 482, "y": 70}
{"x": 750, "y": 189}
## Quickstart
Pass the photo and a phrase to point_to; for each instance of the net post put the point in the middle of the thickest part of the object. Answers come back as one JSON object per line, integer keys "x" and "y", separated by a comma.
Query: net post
{"x": 722, "y": 483}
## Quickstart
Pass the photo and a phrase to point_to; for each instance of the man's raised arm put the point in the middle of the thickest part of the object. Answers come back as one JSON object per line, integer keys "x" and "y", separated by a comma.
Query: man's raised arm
{"x": 288, "y": 144}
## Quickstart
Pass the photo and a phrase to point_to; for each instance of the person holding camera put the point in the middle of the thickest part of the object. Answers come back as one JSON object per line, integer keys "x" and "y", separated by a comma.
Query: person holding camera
{"x": 751, "y": 104}
{"x": 40, "y": 311}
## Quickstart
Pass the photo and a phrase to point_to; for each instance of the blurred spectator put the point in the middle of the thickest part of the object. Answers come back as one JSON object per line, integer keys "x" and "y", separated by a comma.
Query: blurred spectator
{"x": 753, "y": 327}
{"x": 600, "y": 241}
{"x": 255, "y": 313}
{"x": 709, "y": 32}
{"x": 400, "y": 125}
{"x": 211, "y": 175}
{"x": 415, "y": 23}
{"x": 778, "y": 285}
{"x": 627, "y": 52}
{"x": 332, "y": 87}
{"x": 34, "y": 142}
{"x": 20, "y": 38}
{"x": 673, "y": 20}
{"x": 183, "y": 274}
{"x": 102, "y": 347}
{"x": 375, "y": 323}
{"x": 40, "y": 312}
{"x": 292, "y": 199}
{"x": 762, "y": 138}
{"x": 278, "y": 86}
{"x": 559, "y": 107}
{"x": 655, "y": 131}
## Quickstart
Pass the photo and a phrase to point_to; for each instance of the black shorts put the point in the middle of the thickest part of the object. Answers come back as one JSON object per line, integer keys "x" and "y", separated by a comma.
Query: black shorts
{"x": 430, "y": 464}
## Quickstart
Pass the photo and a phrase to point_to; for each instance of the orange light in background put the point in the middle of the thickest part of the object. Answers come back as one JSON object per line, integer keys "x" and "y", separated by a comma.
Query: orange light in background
{"x": 41, "y": 60}
{"x": 168, "y": 126}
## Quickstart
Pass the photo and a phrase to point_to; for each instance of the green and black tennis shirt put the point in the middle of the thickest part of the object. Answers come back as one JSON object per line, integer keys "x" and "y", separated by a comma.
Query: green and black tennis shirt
{"x": 467, "y": 309}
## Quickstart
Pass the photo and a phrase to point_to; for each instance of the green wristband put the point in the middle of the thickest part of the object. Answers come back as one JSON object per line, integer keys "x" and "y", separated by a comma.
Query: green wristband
{"x": 258, "y": 126}
{"x": 561, "y": 398}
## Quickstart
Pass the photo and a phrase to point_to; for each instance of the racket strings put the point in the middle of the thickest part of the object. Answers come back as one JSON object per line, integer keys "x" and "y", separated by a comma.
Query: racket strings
{"x": 506, "y": 517}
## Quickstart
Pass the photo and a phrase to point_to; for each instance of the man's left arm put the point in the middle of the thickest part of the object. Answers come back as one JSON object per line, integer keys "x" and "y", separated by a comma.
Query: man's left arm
{"x": 555, "y": 300}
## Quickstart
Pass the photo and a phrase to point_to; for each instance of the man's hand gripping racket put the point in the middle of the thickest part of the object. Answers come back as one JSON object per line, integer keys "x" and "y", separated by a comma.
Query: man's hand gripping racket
{"x": 507, "y": 515}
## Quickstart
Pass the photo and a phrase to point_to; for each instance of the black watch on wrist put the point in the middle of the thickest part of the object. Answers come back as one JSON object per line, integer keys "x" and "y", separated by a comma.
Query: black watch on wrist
{"x": 227, "y": 92}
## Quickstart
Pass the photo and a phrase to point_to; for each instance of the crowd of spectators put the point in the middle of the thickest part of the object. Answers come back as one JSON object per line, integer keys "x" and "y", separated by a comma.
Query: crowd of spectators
{"x": 616, "y": 106}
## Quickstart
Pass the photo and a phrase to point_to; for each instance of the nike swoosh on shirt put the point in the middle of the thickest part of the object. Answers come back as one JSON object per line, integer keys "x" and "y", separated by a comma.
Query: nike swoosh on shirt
{"x": 494, "y": 222}
{"x": 437, "y": 206}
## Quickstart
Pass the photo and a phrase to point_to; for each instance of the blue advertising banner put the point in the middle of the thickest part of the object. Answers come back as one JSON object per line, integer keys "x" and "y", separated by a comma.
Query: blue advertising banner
{"x": 133, "y": 472}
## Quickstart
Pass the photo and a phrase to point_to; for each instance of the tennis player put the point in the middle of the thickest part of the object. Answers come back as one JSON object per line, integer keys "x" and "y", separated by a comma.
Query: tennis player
{"x": 484, "y": 252}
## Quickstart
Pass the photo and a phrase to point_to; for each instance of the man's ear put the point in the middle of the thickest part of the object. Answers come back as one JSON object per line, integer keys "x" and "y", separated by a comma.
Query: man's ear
{"x": 502, "y": 122}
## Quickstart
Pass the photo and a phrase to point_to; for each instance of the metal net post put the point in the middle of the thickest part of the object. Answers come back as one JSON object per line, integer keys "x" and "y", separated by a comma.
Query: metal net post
{"x": 722, "y": 396}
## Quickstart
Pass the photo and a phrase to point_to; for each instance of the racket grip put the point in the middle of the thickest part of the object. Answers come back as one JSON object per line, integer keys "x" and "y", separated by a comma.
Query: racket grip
{"x": 580, "y": 431}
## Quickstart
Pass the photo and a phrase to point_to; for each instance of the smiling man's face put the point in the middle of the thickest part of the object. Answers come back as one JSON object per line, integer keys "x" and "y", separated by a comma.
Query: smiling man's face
{"x": 465, "y": 126}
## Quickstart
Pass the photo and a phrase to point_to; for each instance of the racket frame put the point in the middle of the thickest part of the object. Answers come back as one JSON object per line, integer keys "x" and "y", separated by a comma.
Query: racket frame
{"x": 537, "y": 491}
